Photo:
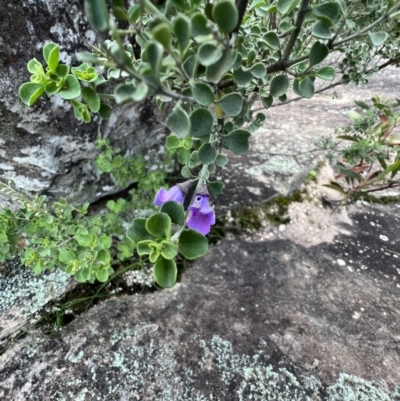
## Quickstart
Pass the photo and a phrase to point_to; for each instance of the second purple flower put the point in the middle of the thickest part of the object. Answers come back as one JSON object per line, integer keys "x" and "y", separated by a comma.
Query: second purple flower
{"x": 202, "y": 215}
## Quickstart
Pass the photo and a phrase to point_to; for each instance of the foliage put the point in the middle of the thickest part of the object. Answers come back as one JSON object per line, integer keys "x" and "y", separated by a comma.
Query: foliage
{"x": 207, "y": 62}
{"x": 371, "y": 162}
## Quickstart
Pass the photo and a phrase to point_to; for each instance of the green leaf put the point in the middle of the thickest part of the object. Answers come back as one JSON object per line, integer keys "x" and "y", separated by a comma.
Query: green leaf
{"x": 102, "y": 275}
{"x": 258, "y": 70}
{"x": 128, "y": 93}
{"x": 186, "y": 172}
{"x": 73, "y": 88}
{"x": 202, "y": 93}
{"x": 306, "y": 88}
{"x": 35, "y": 66}
{"x": 318, "y": 53}
{"x": 178, "y": 122}
{"x": 144, "y": 248}
{"x": 279, "y": 85}
{"x": 155, "y": 55}
{"x": 168, "y": 250}
{"x": 138, "y": 232}
{"x": 85, "y": 72}
{"x": 91, "y": 98}
{"x": 231, "y": 104}
{"x": 216, "y": 187}
{"x": 321, "y": 30}
{"x": 225, "y": 15}
{"x": 201, "y": 121}
{"x": 207, "y": 153}
{"x": 51, "y": 54}
{"x": 215, "y": 72}
{"x": 192, "y": 244}
{"x": 83, "y": 239}
{"x": 175, "y": 211}
{"x": 66, "y": 256}
{"x": 209, "y": 54}
{"x": 103, "y": 257}
{"x": 105, "y": 111}
{"x": 190, "y": 66}
{"x": 183, "y": 31}
{"x": 237, "y": 141}
{"x": 286, "y": 6}
{"x": 327, "y": 12}
{"x": 29, "y": 92}
{"x": 199, "y": 24}
{"x": 173, "y": 142}
{"x": 221, "y": 160}
{"x": 286, "y": 27}
{"x": 165, "y": 272}
{"x": 62, "y": 71}
{"x": 242, "y": 78}
{"x": 362, "y": 104}
{"x": 97, "y": 14}
{"x": 378, "y": 38}
{"x": 272, "y": 40}
{"x": 183, "y": 156}
{"x": 159, "y": 225}
{"x": 162, "y": 34}
{"x": 326, "y": 73}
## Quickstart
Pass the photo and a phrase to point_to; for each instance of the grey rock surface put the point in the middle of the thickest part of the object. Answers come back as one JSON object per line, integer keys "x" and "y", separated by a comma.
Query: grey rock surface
{"x": 44, "y": 149}
{"x": 257, "y": 318}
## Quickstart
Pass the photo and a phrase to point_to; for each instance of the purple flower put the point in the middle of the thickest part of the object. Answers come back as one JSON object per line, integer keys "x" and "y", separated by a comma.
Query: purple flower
{"x": 173, "y": 194}
{"x": 201, "y": 215}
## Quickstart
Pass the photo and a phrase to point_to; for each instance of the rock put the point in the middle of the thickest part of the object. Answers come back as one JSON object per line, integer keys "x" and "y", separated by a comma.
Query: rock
{"x": 44, "y": 149}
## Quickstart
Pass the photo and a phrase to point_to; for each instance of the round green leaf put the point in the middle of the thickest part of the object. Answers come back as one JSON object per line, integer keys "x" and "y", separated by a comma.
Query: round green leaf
{"x": 199, "y": 24}
{"x": 272, "y": 40}
{"x": 202, "y": 93}
{"x": 66, "y": 256}
{"x": 73, "y": 88}
{"x": 378, "y": 38}
{"x": 51, "y": 53}
{"x": 326, "y": 73}
{"x": 97, "y": 14}
{"x": 144, "y": 248}
{"x": 165, "y": 272}
{"x": 105, "y": 111}
{"x": 102, "y": 275}
{"x": 237, "y": 141}
{"x": 173, "y": 142}
{"x": 168, "y": 250}
{"x": 209, "y": 54}
{"x": 207, "y": 153}
{"x": 29, "y": 92}
{"x": 192, "y": 244}
{"x": 178, "y": 122}
{"x": 226, "y": 16}
{"x": 279, "y": 85}
{"x": 286, "y": 6}
{"x": 241, "y": 77}
{"x": 231, "y": 104}
{"x": 162, "y": 34}
{"x": 258, "y": 70}
{"x": 175, "y": 211}
{"x": 318, "y": 53}
{"x": 216, "y": 187}
{"x": 183, "y": 156}
{"x": 306, "y": 88}
{"x": 62, "y": 70}
{"x": 155, "y": 55}
{"x": 221, "y": 160}
{"x": 183, "y": 31}
{"x": 327, "y": 12}
{"x": 91, "y": 98}
{"x": 159, "y": 225}
{"x": 201, "y": 121}
{"x": 321, "y": 30}
{"x": 215, "y": 72}
{"x": 137, "y": 231}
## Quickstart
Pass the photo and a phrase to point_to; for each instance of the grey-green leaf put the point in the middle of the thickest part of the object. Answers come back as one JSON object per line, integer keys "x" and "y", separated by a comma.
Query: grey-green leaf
{"x": 91, "y": 98}
{"x": 192, "y": 244}
{"x": 215, "y": 72}
{"x": 318, "y": 53}
{"x": 237, "y": 141}
{"x": 272, "y": 40}
{"x": 202, "y": 93}
{"x": 378, "y": 38}
{"x": 231, "y": 104}
{"x": 226, "y": 16}
{"x": 183, "y": 30}
{"x": 209, "y": 54}
{"x": 201, "y": 121}
{"x": 165, "y": 272}
{"x": 178, "y": 122}
{"x": 279, "y": 85}
{"x": 286, "y": 6}
{"x": 306, "y": 88}
{"x": 97, "y": 14}
{"x": 207, "y": 153}
{"x": 321, "y": 30}
{"x": 326, "y": 73}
